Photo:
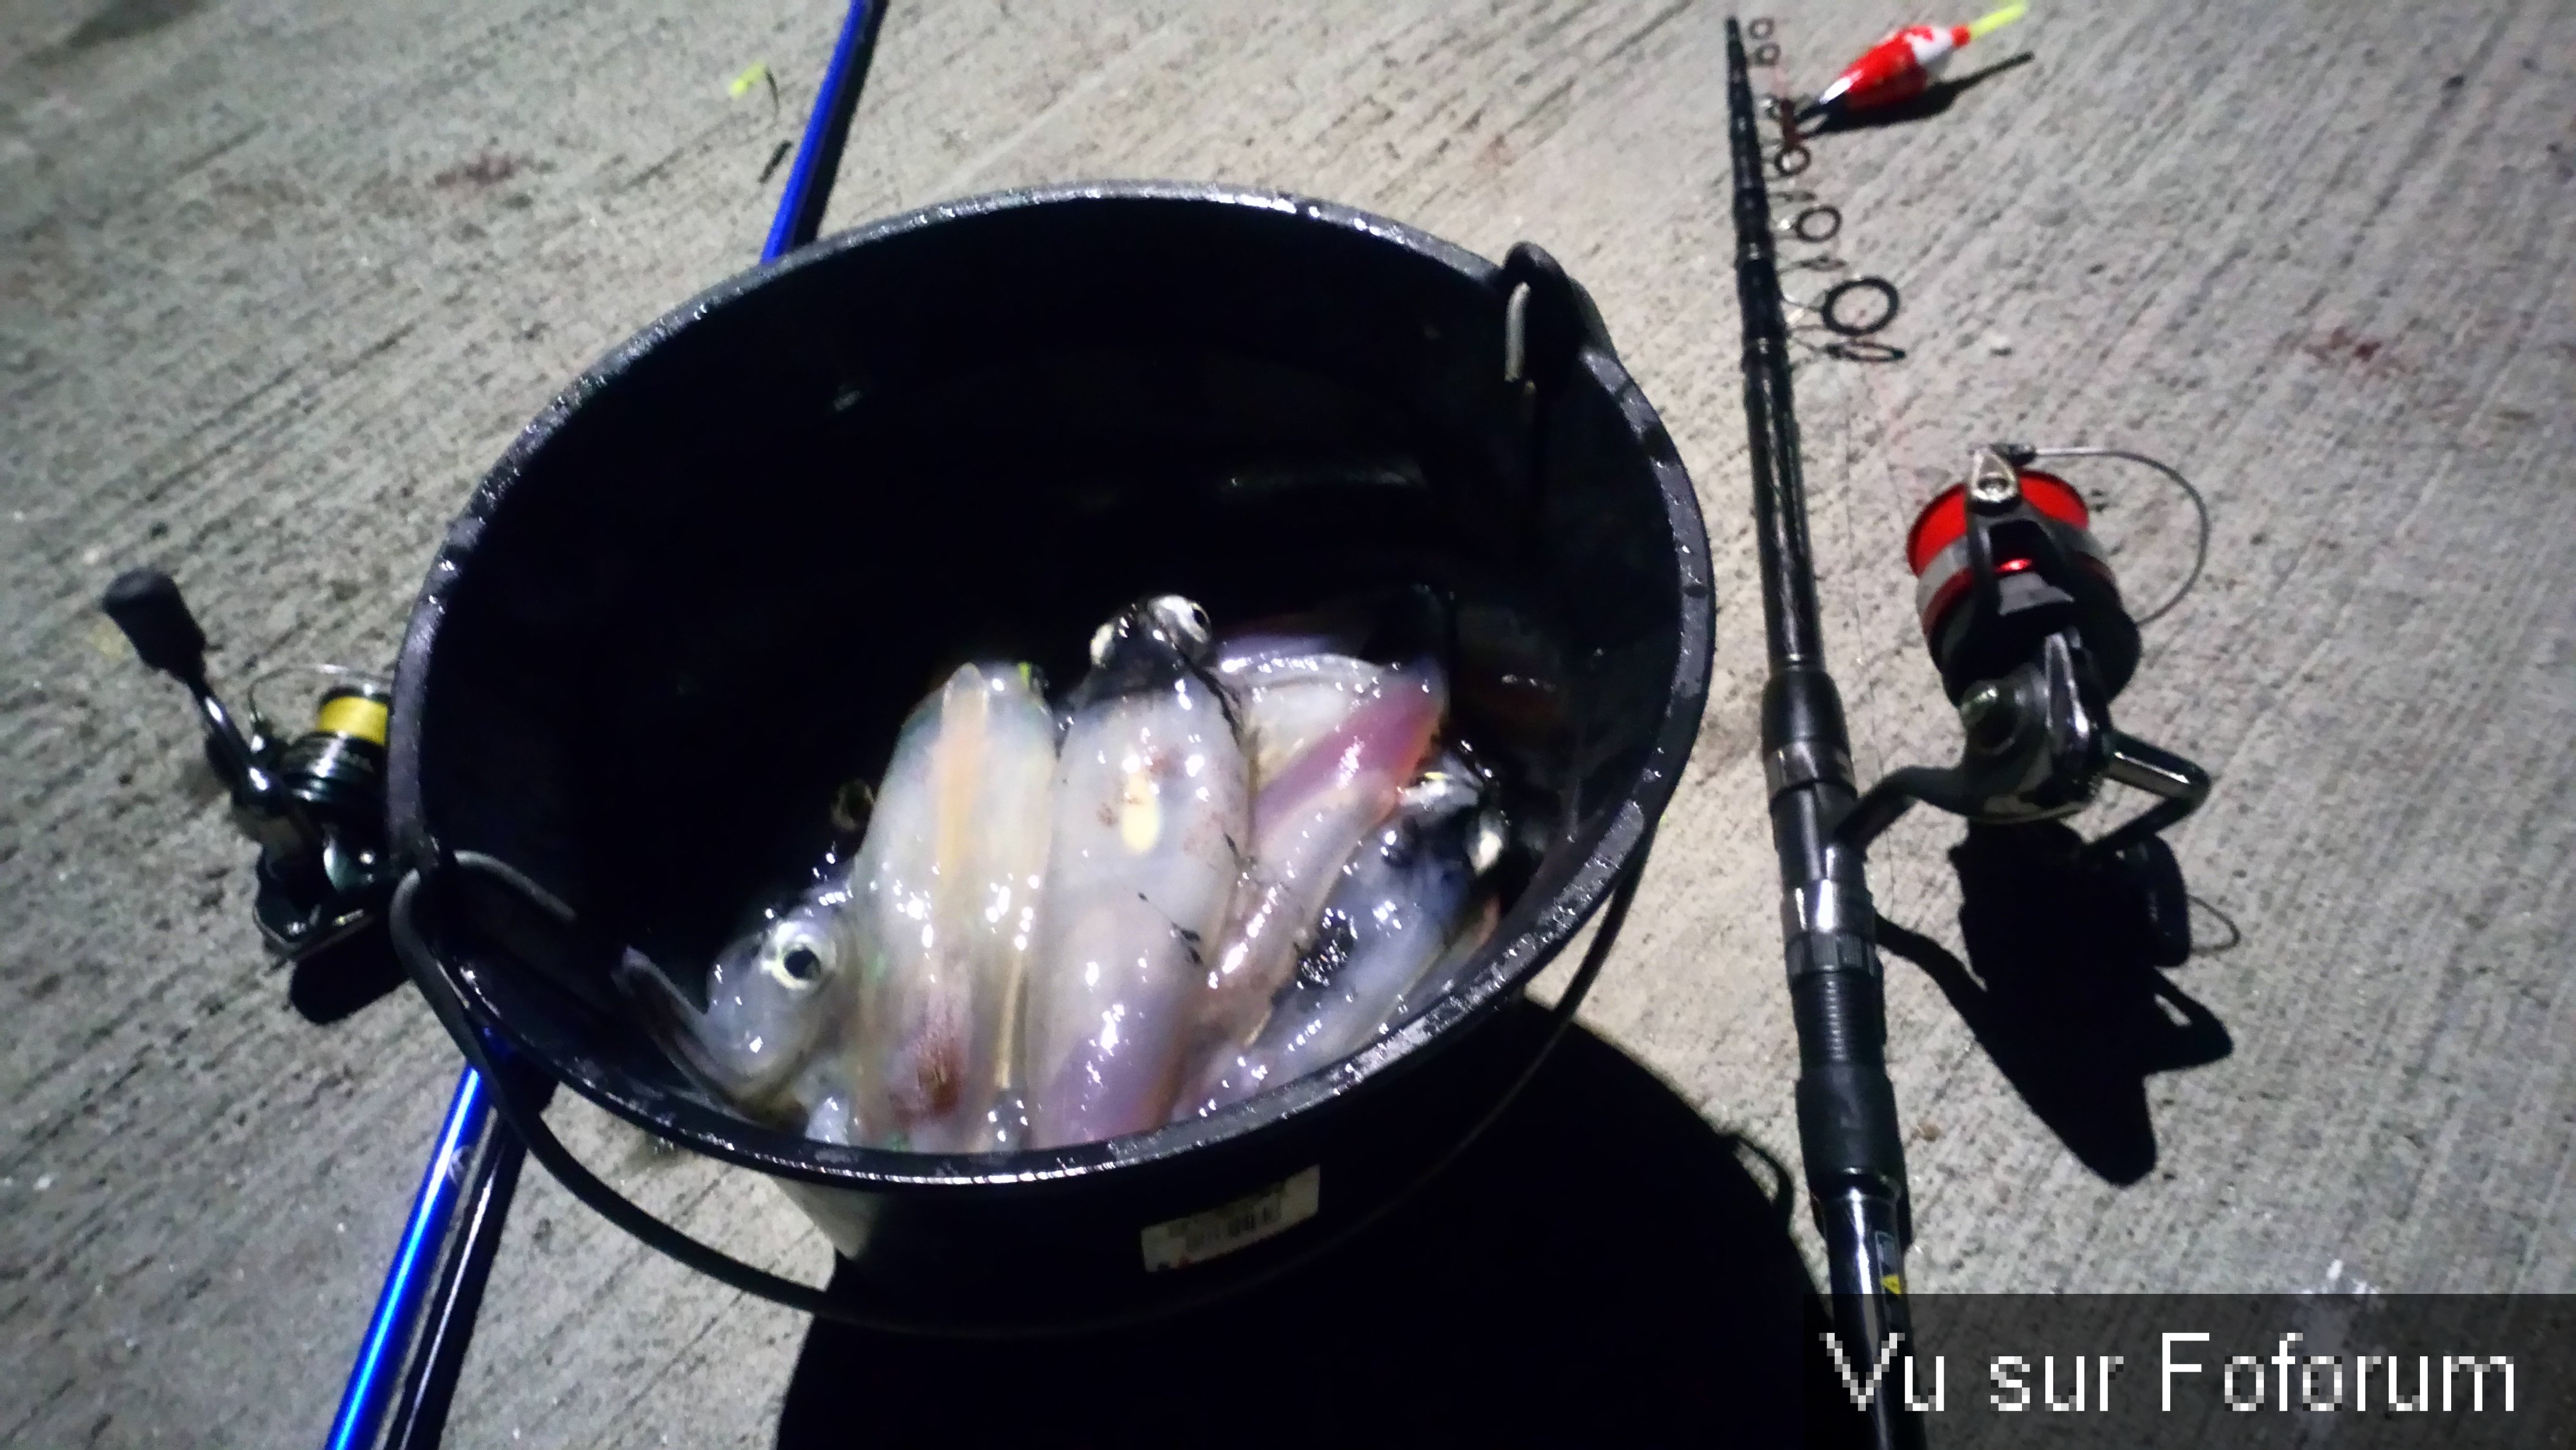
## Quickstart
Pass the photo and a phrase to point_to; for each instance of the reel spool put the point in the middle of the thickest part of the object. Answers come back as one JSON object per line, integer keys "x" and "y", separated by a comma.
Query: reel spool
{"x": 2003, "y": 560}
{"x": 341, "y": 760}
{"x": 334, "y": 880}
{"x": 2022, "y": 614}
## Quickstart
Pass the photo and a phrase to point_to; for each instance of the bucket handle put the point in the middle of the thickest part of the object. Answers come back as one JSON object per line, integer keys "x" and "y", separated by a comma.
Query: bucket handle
{"x": 522, "y": 1108}
{"x": 1548, "y": 319}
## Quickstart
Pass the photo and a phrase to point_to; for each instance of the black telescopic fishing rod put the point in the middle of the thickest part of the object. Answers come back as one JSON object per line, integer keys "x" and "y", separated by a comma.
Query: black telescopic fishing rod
{"x": 1847, "y": 1130}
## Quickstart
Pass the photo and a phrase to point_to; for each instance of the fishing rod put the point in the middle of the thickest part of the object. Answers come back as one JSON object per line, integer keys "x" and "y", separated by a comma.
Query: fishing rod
{"x": 315, "y": 806}
{"x": 2022, "y": 613}
{"x": 1847, "y": 1129}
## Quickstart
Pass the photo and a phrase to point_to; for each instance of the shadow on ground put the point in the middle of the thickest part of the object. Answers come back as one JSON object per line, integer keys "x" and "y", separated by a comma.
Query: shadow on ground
{"x": 2064, "y": 986}
{"x": 1601, "y": 1267}
{"x": 335, "y": 982}
{"x": 126, "y": 19}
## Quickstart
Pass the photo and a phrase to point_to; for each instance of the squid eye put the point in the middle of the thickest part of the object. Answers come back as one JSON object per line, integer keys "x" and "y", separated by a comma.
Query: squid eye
{"x": 1403, "y": 844}
{"x": 797, "y": 968}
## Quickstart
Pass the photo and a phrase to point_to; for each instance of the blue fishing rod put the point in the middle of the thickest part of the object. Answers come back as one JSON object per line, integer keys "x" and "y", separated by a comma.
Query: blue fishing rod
{"x": 424, "y": 1316}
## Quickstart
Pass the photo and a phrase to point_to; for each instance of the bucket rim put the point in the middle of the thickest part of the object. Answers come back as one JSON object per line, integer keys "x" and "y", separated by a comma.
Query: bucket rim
{"x": 1607, "y": 845}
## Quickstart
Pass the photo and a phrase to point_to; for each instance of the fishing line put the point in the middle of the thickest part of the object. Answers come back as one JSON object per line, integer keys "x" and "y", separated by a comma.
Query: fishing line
{"x": 1865, "y": 750}
{"x": 1849, "y": 345}
{"x": 1854, "y": 308}
{"x": 1854, "y": 343}
{"x": 1832, "y": 261}
{"x": 2199, "y": 508}
{"x": 2235, "y": 933}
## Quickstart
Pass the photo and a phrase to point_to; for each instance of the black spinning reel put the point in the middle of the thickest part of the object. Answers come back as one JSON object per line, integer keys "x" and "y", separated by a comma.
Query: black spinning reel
{"x": 2024, "y": 618}
{"x": 314, "y": 805}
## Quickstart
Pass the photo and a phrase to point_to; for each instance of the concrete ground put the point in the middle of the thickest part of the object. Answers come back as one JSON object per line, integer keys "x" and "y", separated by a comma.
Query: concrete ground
{"x": 280, "y": 279}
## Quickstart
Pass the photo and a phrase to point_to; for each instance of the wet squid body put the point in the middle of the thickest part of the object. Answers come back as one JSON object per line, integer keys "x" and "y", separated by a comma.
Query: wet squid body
{"x": 946, "y": 900}
{"x": 1402, "y": 914}
{"x": 1307, "y": 820}
{"x": 1152, "y": 810}
{"x": 779, "y": 1002}
{"x": 881, "y": 1006}
{"x": 1223, "y": 864}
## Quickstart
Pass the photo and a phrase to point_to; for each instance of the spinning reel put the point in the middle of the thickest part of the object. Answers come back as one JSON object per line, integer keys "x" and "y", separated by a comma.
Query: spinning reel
{"x": 2023, "y": 615}
{"x": 314, "y": 805}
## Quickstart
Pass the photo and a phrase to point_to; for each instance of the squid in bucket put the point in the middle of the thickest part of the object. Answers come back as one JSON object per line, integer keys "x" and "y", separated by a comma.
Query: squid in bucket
{"x": 1307, "y": 820}
{"x": 945, "y": 895}
{"x": 1404, "y": 913}
{"x": 1151, "y": 813}
{"x": 779, "y": 1001}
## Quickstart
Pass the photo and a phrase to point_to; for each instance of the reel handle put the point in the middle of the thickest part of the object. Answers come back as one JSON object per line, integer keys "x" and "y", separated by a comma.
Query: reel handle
{"x": 2178, "y": 785}
{"x": 146, "y": 605}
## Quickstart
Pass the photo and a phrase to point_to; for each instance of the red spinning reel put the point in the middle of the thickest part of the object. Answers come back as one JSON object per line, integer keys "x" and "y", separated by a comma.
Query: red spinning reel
{"x": 2023, "y": 614}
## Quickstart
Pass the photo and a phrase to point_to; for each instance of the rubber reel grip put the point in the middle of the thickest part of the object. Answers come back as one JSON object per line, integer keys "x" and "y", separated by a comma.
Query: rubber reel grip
{"x": 146, "y": 605}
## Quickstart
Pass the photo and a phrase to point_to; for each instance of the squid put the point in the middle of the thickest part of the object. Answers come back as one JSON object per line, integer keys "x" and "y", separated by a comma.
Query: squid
{"x": 945, "y": 892}
{"x": 779, "y": 1001}
{"x": 1307, "y": 821}
{"x": 1151, "y": 814}
{"x": 1287, "y": 702}
{"x": 1402, "y": 917}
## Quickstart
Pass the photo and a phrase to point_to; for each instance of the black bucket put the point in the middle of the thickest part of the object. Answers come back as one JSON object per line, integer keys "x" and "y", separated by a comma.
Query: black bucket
{"x": 707, "y": 583}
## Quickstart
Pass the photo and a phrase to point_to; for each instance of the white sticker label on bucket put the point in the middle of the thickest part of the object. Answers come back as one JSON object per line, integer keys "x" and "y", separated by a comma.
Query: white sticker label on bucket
{"x": 1199, "y": 1237}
